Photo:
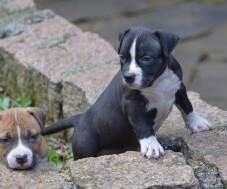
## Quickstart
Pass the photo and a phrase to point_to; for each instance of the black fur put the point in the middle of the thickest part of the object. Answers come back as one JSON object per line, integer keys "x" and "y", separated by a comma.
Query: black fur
{"x": 119, "y": 116}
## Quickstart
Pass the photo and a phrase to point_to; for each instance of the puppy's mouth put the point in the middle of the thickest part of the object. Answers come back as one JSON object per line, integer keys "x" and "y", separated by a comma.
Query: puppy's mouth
{"x": 25, "y": 166}
{"x": 14, "y": 164}
{"x": 136, "y": 86}
{"x": 133, "y": 85}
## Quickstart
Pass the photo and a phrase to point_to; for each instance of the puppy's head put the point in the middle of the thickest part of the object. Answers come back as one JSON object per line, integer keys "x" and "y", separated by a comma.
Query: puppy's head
{"x": 20, "y": 139}
{"x": 144, "y": 54}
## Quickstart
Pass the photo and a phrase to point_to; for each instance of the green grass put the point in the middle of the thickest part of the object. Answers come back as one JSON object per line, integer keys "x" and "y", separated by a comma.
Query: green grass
{"x": 6, "y": 102}
{"x": 53, "y": 157}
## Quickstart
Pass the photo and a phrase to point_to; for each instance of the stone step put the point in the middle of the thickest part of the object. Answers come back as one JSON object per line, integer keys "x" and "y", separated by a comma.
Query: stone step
{"x": 132, "y": 171}
{"x": 42, "y": 177}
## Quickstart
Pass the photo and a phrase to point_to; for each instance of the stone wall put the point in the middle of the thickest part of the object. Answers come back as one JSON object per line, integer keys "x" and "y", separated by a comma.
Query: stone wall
{"x": 51, "y": 61}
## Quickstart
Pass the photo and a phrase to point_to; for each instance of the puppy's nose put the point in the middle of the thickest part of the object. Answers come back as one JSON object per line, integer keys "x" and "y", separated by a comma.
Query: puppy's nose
{"x": 22, "y": 159}
{"x": 129, "y": 77}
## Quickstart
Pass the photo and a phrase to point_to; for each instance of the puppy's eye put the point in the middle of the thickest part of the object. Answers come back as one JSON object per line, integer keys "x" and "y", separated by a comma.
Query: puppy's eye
{"x": 32, "y": 137}
{"x": 146, "y": 59}
{"x": 122, "y": 58}
{"x": 5, "y": 140}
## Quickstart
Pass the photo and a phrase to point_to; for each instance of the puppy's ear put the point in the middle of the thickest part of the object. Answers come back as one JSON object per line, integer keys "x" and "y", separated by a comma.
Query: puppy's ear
{"x": 43, "y": 148}
{"x": 39, "y": 114}
{"x": 168, "y": 41}
{"x": 121, "y": 37}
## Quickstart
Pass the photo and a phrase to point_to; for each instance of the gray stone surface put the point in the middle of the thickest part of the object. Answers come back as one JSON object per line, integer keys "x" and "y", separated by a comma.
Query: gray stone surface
{"x": 42, "y": 177}
{"x": 210, "y": 147}
{"x": 86, "y": 9}
{"x": 131, "y": 170}
{"x": 189, "y": 20}
{"x": 210, "y": 77}
{"x": 210, "y": 81}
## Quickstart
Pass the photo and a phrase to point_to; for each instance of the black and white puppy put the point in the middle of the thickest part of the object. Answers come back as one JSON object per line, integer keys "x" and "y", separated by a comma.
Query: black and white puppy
{"x": 138, "y": 99}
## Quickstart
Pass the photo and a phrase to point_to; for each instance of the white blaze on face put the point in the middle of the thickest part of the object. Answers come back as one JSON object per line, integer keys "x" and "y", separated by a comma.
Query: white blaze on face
{"x": 19, "y": 151}
{"x": 133, "y": 67}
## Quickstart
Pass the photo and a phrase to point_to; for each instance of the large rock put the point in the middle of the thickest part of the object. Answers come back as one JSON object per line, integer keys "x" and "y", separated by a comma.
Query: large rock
{"x": 210, "y": 147}
{"x": 131, "y": 170}
{"x": 53, "y": 62}
{"x": 42, "y": 177}
{"x": 205, "y": 151}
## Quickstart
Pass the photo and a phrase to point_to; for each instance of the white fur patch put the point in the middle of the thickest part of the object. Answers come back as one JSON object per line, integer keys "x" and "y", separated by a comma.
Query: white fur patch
{"x": 197, "y": 123}
{"x": 150, "y": 147}
{"x": 161, "y": 95}
{"x": 19, "y": 151}
{"x": 134, "y": 68}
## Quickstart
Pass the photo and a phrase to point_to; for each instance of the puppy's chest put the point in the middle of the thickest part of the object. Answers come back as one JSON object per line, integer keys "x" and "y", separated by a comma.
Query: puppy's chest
{"x": 161, "y": 95}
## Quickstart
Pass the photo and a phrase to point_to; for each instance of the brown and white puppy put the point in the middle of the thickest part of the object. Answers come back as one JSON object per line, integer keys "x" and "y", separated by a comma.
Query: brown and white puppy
{"x": 20, "y": 140}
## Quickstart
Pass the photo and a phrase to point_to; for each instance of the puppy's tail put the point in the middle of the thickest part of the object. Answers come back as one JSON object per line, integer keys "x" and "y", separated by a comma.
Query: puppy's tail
{"x": 62, "y": 125}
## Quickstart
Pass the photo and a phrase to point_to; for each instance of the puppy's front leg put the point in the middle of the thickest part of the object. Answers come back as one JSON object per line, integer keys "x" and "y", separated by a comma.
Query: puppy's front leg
{"x": 192, "y": 120}
{"x": 142, "y": 126}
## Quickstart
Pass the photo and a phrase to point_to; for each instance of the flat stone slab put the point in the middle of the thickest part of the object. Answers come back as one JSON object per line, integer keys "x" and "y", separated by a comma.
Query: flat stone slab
{"x": 209, "y": 53}
{"x": 210, "y": 82}
{"x": 132, "y": 171}
{"x": 42, "y": 177}
{"x": 58, "y": 49}
{"x": 188, "y": 20}
{"x": 86, "y": 9}
{"x": 211, "y": 148}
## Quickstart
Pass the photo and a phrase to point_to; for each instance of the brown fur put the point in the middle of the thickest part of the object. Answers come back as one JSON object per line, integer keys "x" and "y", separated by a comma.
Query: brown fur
{"x": 27, "y": 118}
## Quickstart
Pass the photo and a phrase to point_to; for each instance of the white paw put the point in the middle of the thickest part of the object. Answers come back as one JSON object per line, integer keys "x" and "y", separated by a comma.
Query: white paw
{"x": 150, "y": 147}
{"x": 197, "y": 123}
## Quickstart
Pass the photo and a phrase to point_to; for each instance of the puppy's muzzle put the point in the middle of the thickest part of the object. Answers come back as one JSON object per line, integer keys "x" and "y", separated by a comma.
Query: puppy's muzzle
{"x": 129, "y": 77}
{"x": 22, "y": 159}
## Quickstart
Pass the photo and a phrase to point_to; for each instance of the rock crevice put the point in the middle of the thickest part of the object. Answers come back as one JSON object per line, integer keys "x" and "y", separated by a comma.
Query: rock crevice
{"x": 207, "y": 174}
